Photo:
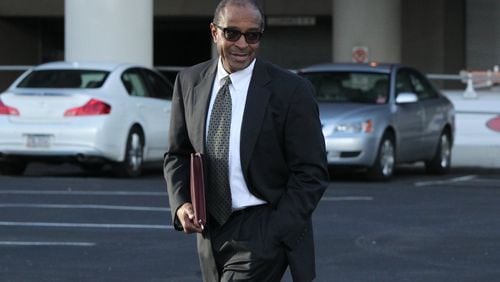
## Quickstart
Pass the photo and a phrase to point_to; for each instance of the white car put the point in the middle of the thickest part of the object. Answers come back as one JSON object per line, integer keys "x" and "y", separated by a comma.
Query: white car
{"x": 92, "y": 114}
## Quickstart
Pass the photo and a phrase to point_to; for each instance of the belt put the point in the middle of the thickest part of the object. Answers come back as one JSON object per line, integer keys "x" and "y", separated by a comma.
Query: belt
{"x": 236, "y": 213}
{"x": 245, "y": 210}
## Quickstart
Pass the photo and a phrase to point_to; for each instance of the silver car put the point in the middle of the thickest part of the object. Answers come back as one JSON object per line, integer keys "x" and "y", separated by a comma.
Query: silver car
{"x": 375, "y": 116}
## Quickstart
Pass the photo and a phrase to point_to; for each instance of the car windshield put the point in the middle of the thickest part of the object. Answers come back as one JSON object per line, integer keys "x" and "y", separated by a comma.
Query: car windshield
{"x": 64, "y": 79}
{"x": 350, "y": 87}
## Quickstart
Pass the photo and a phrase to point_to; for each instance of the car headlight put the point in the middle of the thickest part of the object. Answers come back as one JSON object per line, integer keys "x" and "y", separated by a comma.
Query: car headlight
{"x": 348, "y": 127}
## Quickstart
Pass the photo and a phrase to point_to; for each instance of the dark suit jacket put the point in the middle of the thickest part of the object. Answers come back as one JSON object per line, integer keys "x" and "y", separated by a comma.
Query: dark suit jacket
{"x": 282, "y": 150}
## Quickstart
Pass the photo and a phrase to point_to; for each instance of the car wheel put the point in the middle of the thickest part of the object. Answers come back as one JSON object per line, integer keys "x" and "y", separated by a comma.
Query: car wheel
{"x": 441, "y": 162}
{"x": 12, "y": 167}
{"x": 131, "y": 166}
{"x": 383, "y": 168}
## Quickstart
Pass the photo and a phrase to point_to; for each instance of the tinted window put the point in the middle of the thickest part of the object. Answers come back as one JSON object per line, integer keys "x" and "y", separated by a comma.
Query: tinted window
{"x": 357, "y": 87}
{"x": 161, "y": 88}
{"x": 403, "y": 82}
{"x": 134, "y": 83}
{"x": 64, "y": 79}
{"x": 422, "y": 86}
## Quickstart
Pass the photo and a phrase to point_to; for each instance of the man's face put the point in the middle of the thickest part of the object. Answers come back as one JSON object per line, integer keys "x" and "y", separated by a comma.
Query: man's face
{"x": 239, "y": 54}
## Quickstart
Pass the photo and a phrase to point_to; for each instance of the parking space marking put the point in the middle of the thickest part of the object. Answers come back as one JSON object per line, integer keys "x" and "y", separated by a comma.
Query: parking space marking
{"x": 64, "y": 244}
{"x": 84, "y": 225}
{"x": 446, "y": 181}
{"x": 85, "y": 193}
{"x": 348, "y": 198}
{"x": 66, "y": 206}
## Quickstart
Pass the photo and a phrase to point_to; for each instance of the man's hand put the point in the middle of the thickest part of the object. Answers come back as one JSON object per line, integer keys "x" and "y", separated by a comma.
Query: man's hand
{"x": 185, "y": 214}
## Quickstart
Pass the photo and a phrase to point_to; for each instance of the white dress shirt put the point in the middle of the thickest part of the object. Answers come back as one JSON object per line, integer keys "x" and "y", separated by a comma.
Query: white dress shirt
{"x": 238, "y": 88}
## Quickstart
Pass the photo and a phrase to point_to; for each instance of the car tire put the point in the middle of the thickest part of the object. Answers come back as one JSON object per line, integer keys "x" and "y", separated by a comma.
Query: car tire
{"x": 441, "y": 162}
{"x": 12, "y": 167}
{"x": 383, "y": 167}
{"x": 131, "y": 166}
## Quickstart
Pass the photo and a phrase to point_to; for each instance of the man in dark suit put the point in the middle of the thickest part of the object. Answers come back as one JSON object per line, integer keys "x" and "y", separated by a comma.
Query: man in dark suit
{"x": 258, "y": 128}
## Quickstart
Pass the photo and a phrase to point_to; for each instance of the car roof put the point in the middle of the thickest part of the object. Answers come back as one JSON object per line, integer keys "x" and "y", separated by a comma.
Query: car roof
{"x": 106, "y": 66}
{"x": 368, "y": 67}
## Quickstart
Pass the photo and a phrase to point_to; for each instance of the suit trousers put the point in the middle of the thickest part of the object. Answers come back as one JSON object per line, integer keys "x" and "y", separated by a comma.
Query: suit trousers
{"x": 246, "y": 249}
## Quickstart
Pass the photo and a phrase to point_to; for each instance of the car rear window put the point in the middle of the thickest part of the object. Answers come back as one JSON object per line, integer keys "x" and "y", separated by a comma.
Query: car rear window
{"x": 64, "y": 79}
{"x": 355, "y": 87}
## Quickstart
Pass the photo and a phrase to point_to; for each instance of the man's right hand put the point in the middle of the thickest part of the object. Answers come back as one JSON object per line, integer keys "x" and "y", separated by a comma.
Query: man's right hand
{"x": 185, "y": 214}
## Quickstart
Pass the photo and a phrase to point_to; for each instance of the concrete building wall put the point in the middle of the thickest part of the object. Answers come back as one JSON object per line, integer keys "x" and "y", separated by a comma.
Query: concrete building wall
{"x": 169, "y": 7}
{"x": 297, "y": 46}
{"x": 433, "y": 32}
{"x": 20, "y": 46}
{"x": 433, "y": 35}
{"x": 34, "y": 8}
{"x": 483, "y": 34}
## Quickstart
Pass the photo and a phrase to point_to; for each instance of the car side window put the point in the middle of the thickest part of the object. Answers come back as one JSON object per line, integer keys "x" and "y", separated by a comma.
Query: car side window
{"x": 135, "y": 85}
{"x": 422, "y": 87}
{"x": 403, "y": 82}
{"x": 160, "y": 87}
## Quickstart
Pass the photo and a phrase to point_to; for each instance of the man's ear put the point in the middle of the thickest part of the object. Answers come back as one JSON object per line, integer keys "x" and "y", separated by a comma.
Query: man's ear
{"x": 213, "y": 32}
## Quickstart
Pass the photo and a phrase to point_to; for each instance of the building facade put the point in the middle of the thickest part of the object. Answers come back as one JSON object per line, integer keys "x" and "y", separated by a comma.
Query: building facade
{"x": 436, "y": 36}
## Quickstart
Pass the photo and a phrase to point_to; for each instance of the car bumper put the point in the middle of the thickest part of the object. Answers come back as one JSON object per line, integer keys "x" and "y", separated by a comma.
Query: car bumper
{"x": 351, "y": 150}
{"x": 82, "y": 138}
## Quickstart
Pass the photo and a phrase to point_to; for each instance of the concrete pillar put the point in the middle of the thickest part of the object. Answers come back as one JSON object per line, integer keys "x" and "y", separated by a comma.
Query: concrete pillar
{"x": 374, "y": 26}
{"x": 109, "y": 30}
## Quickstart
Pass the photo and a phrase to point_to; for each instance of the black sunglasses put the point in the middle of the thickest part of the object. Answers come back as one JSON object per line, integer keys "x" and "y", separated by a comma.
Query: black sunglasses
{"x": 233, "y": 35}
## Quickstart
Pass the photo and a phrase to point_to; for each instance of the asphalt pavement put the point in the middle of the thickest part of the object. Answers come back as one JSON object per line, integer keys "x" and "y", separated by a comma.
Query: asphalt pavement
{"x": 58, "y": 223}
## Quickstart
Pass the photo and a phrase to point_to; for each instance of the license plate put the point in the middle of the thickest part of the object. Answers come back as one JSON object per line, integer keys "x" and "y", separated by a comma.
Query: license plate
{"x": 38, "y": 140}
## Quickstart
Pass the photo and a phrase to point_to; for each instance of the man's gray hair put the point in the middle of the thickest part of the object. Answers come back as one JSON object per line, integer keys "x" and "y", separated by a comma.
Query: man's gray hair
{"x": 223, "y": 3}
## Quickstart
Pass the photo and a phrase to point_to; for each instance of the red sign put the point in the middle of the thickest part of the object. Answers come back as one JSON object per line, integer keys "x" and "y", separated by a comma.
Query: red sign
{"x": 360, "y": 54}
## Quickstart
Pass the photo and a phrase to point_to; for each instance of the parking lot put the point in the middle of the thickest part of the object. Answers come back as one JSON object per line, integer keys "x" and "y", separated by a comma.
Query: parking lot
{"x": 58, "y": 223}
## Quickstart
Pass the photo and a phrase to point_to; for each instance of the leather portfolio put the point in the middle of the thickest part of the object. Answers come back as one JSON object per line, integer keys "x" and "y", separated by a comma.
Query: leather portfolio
{"x": 197, "y": 187}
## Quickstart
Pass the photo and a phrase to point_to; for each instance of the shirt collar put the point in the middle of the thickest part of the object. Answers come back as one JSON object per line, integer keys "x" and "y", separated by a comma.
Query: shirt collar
{"x": 237, "y": 78}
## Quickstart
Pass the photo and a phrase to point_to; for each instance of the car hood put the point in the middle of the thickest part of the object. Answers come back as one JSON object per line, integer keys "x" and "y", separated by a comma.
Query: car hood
{"x": 341, "y": 111}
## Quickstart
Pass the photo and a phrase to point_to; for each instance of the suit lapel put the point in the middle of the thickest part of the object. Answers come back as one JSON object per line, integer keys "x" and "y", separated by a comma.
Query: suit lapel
{"x": 255, "y": 109}
{"x": 200, "y": 102}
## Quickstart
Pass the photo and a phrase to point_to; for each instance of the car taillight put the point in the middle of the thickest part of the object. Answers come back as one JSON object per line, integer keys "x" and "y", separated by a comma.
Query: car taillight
{"x": 6, "y": 110}
{"x": 494, "y": 124}
{"x": 93, "y": 107}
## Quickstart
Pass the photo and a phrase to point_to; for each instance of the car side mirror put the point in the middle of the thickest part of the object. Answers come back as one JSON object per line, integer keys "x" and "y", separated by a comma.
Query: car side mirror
{"x": 406, "y": 97}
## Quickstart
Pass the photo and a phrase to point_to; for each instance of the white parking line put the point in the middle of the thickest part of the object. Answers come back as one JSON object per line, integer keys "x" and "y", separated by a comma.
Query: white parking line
{"x": 70, "y": 192}
{"x": 66, "y": 206}
{"x": 446, "y": 181}
{"x": 84, "y": 225}
{"x": 348, "y": 198}
{"x": 65, "y": 244}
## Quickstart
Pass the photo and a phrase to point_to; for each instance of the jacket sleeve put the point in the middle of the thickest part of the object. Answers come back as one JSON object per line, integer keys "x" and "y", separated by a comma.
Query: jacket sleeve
{"x": 177, "y": 158}
{"x": 304, "y": 149}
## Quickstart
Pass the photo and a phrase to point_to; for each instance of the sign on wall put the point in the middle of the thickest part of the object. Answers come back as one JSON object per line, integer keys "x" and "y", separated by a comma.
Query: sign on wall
{"x": 360, "y": 54}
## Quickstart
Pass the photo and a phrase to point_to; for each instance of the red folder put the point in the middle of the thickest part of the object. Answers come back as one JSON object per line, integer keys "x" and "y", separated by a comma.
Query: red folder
{"x": 197, "y": 187}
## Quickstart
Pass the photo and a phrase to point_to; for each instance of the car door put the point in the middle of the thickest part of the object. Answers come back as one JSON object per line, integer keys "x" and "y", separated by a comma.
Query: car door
{"x": 161, "y": 91}
{"x": 409, "y": 121}
{"x": 435, "y": 113}
{"x": 154, "y": 111}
